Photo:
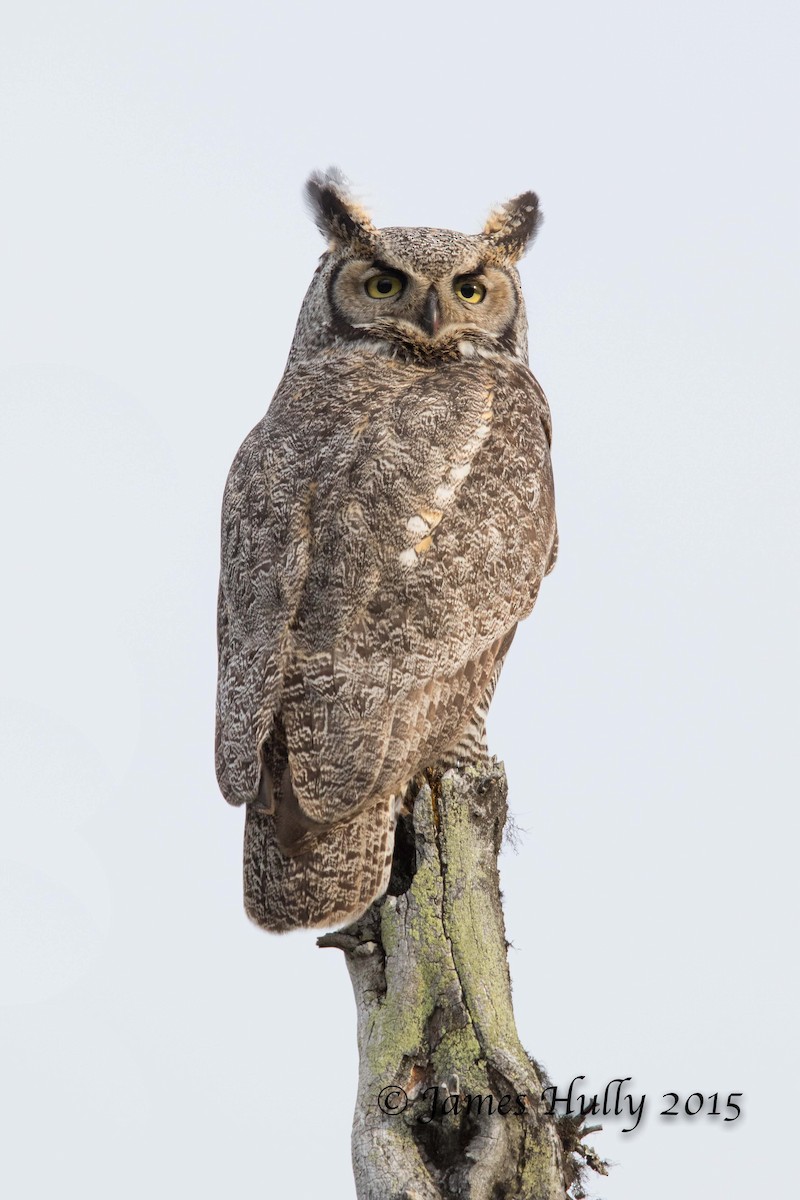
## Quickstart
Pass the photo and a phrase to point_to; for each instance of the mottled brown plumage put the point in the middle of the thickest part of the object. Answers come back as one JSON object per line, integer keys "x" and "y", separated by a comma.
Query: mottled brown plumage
{"x": 385, "y": 527}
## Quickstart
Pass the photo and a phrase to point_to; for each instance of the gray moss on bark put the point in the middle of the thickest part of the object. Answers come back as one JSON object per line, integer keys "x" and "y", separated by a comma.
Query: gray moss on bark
{"x": 430, "y": 974}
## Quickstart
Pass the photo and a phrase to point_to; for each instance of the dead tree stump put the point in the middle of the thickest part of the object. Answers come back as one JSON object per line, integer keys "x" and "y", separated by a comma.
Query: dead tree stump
{"x": 449, "y": 1104}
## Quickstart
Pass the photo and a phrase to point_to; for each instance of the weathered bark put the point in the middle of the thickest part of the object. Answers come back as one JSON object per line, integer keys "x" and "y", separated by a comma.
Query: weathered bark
{"x": 430, "y": 973}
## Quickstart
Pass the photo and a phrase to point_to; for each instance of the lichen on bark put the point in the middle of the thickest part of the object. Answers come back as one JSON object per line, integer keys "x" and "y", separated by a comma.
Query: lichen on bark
{"x": 429, "y": 970}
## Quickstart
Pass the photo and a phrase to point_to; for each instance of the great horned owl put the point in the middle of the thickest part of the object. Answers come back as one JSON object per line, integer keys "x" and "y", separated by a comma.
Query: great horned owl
{"x": 384, "y": 528}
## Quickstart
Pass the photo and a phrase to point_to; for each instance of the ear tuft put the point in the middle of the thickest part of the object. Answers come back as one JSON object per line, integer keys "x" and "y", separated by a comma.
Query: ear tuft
{"x": 336, "y": 214}
{"x": 512, "y": 227}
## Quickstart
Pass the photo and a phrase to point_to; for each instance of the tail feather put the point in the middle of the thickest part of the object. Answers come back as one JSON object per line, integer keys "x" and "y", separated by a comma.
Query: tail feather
{"x": 332, "y": 881}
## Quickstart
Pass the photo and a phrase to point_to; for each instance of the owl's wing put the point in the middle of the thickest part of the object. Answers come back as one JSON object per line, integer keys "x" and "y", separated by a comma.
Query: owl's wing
{"x": 399, "y": 634}
{"x": 254, "y": 598}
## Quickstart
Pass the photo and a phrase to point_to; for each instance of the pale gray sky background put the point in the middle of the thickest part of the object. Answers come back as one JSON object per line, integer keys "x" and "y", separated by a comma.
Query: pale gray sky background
{"x": 154, "y": 254}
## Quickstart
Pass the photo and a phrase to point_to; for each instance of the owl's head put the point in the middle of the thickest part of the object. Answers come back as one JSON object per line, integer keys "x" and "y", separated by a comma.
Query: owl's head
{"x": 428, "y": 293}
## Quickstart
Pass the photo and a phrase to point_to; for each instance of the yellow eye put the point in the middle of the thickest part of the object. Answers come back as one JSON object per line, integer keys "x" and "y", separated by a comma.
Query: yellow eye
{"x": 470, "y": 291}
{"x": 381, "y": 287}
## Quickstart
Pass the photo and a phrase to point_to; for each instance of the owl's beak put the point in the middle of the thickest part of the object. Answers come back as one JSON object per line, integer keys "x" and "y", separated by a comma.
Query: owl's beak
{"x": 431, "y": 317}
